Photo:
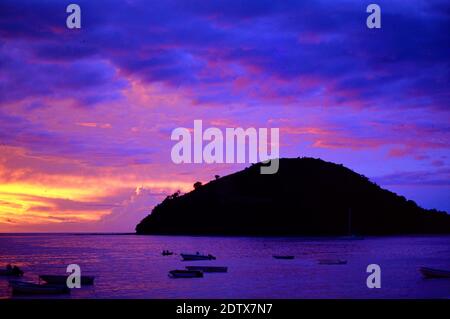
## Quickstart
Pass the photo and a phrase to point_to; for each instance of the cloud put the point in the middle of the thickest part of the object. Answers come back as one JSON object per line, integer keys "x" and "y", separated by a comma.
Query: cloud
{"x": 130, "y": 212}
{"x": 178, "y": 42}
{"x": 437, "y": 177}
{"x": 91, "y": 110}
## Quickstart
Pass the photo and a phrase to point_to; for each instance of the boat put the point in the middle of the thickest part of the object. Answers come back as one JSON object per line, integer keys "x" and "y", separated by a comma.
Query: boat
{"x": 434, "y": 273}
{"x": 197, "y": 256}
{"x": 62, "y": 279}
{"x": 29, "y": 288}
{"x": 185, "y": 274}
{"x": 11, "y": 271}
{"x": 332, "y": 261}
{"x": 7, "y": 272}
{"x": 207, "y": 268}
{"x": 167, "y": 253}
{"x": 283, "y": 257}
{"x": 350, "y": 234}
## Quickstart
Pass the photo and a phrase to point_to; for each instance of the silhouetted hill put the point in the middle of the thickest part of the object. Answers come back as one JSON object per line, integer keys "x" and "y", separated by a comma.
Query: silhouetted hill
{"x": 306, "y": 197}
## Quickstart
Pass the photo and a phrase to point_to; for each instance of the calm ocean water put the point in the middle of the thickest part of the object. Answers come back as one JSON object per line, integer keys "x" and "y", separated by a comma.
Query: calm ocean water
{"x": 130, "y": 266}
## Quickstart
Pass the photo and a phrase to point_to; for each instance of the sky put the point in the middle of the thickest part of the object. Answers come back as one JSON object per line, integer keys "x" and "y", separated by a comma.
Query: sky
{"x": 86, "y": 114}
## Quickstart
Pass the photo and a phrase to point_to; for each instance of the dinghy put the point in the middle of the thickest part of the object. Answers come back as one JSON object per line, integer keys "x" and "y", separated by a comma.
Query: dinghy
{"x": 332, "y": 262}
{"x": 62, "y": 279}
{"x": 29, "y": 288}
{"x": 283, "y": 257}
{"x": 11, "y": 271}
{"x": 351, "y": 235}
{"x": 185, "y": 274}
{"x": 434, "y": 273}
{"x": 7, "y": 272}
{"x": 208, "y": 268}
{"x": 197, "y": 256}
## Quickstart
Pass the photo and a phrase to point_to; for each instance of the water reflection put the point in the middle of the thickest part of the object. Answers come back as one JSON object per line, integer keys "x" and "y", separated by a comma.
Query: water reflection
{"x": 129, "y": 266}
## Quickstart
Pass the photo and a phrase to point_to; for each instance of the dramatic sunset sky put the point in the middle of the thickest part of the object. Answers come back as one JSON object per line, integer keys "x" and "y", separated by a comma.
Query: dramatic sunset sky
{"x": 86, "y": 115}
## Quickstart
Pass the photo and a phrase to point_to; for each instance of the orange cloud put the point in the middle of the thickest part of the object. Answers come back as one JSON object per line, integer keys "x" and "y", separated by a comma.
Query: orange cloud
{"x": 37, "y": 196}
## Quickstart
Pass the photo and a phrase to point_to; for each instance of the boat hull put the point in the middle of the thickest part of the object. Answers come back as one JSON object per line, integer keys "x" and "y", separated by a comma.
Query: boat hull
{"x": 434, "y": 273}
{"x": 207, "y": 268}
{"x": 332, "y": 262}
{"x": 185, "y": 274}
{"x": 9, "y": 273}
{"x": 283, "y": 257}
{"x": 188, "y": 257}
{"x": 26, "y": 288}
{"x": 62, "y": 279}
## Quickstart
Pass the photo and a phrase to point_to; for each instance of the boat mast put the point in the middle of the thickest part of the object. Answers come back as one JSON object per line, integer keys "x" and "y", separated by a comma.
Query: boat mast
{"x": 349, "y": 221}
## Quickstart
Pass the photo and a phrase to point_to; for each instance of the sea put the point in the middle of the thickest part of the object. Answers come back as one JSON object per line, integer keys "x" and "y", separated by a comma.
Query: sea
{"x": 131, "y": 266}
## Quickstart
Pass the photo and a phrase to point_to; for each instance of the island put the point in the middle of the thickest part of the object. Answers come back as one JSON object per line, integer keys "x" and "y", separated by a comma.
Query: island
{"x": 306, "y": 197}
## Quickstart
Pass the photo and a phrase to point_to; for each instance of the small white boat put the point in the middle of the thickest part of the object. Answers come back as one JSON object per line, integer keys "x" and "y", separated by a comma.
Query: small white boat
{"x": 197, "y": 256}
{"x": 434, "y": 273}
{"x": 29, "y": 288}
{"x": 208, "y": 268}
{"x": 185, "y": 274}
{"x": 332, "y": 261}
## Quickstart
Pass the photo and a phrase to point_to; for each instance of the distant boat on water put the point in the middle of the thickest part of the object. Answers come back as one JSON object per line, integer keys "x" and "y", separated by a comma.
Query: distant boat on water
{"x": 208, "y": 268}
{"x": 29, "y": 288}
{"x": 11, "y": 271}
{"x": 62, "y": 279}
{"x": 351, "y": 235}
{"x": 283, "y": 257}
{"x": 332, "y": 261}
{"x": 197, "y": 256}
{"x": 434, "y": 273}
{"x": 185, "y": 274}
{"x": 167, "y": 253}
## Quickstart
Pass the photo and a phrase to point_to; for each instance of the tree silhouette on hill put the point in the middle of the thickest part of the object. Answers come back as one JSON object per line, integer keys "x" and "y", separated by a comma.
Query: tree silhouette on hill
{"x": 306, "y": 197}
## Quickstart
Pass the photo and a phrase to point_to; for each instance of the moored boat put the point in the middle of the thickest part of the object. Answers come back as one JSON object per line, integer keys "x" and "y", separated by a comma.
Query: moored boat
{"x": 283, "y": 257}
{"x": 185, "y": 274}
{"x": 11, "y": 271}
{"x": 351, "y": 235}
{"x": 208, "y": 268}
{"x": 197, "y": 256}
{"x": 62, "y": 279}
{"x": 167, "y": 253}
{"x": 434, "y": 273}
{"x": 332, "y": 261}
{"x": 29, "y": 288}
